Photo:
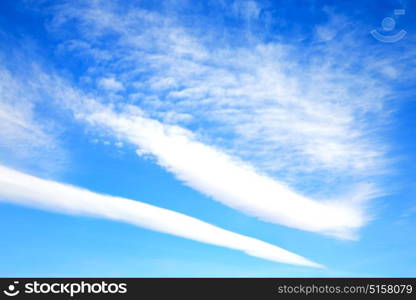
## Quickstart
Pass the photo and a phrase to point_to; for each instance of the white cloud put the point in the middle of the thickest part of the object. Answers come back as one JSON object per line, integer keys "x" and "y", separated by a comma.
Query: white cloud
{"x": 313, "y": 119}
{"x": 329, "y": 30}
{"x": 110, "y": 84}
{"x": 23, "y": 189}
{"x": 248, "y": 10}
{"x": 288, "y": 115}
{"x": 25, "y": 138}
{"x": 228, "y": 180}
{"x": 302, "y": 114}
{"x": 302, "y": 117}
{"x": 212, "y": 172}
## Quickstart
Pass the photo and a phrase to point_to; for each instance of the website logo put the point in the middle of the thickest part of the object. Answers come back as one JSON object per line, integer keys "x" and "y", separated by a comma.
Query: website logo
{"x": 388, "y": 24}
{"x": 67, "y": 288}
{"x": 12, "y": 289}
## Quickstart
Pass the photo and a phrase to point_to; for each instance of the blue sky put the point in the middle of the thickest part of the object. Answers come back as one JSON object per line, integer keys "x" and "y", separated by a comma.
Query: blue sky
{"x": 207, "y": 138}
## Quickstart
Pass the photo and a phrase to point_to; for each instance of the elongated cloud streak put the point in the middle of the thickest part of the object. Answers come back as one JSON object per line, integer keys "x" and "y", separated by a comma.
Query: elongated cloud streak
{"x": 20, "y": 188}
{"x": 227, "y": 180}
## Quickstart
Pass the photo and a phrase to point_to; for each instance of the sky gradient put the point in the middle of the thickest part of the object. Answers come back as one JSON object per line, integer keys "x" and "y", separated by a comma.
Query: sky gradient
{"x": 207, "y": 138}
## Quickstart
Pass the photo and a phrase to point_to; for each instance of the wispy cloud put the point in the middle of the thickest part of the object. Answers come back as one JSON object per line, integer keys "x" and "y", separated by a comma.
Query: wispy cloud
{"x": 111, "y": 84}
{"x": 24, "y": 189}
{"x": 25, "y": 139}
{"x": 292, "y": 111}
{"x": 208, "y": 169}
{"x": 300, "y": 114}
{"x": 247, "y": 10}
{"x": 297, "y": 114}
{"x": 282, "y": 119}
{"x": 227, "y": 179}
